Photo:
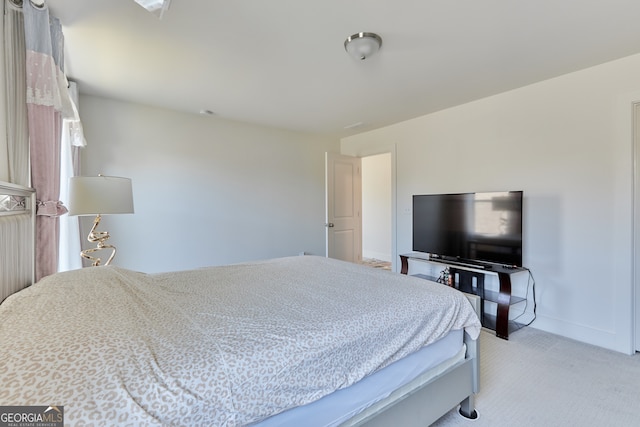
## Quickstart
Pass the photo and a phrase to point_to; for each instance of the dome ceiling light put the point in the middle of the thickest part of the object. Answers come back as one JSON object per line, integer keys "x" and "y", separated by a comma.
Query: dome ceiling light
{"x": 362, "y": 45}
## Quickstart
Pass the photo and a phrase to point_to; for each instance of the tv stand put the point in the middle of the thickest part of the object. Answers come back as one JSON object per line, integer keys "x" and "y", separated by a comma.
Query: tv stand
{"x": 459, "y": 262}
{"x": 470, "y": 279}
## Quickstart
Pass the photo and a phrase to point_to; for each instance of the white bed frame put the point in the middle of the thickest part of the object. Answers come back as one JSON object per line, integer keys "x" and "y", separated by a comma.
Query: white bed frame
{"x": 419, "y": 403}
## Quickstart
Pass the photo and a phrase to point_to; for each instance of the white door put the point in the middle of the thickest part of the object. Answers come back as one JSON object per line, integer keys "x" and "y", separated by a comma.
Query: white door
{"x": 343, "y": 202}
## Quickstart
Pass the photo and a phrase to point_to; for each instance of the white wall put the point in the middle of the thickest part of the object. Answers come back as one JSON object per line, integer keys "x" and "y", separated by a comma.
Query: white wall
{"x": 376, "y": 207}
{"x": 567, "y": 143}
{"x": 207, "y": 191}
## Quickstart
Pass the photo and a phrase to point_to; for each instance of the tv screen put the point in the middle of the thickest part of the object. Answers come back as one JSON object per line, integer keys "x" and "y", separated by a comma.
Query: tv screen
{"x": 470, "y": 226}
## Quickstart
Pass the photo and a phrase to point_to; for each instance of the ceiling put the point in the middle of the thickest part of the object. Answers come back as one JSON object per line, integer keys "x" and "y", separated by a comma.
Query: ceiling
{"x": 282, "y": 63}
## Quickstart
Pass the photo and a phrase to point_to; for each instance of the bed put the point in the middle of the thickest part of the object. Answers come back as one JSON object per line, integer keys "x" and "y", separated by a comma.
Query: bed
{"x": 301, "y": 340}
{"x": 17, "y": 225}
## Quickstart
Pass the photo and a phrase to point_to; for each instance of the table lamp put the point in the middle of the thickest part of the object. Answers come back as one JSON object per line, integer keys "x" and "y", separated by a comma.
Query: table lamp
{"x": 99, "y": 195}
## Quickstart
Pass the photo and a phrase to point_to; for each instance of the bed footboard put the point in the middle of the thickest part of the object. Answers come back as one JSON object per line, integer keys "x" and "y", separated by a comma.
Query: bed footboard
{"x": 421, "y": 404}
{"x": 467, "y": 406}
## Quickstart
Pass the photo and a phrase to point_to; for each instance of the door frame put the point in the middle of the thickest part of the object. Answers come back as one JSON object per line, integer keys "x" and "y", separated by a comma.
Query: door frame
{"x": 376, "y": 207}
{"x": 391, "y": 149}
{"x": 635, "y": 291}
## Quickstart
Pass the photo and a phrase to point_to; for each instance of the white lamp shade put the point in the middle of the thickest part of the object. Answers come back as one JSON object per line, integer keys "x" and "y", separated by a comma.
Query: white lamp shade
{"x": 100, "y": 195}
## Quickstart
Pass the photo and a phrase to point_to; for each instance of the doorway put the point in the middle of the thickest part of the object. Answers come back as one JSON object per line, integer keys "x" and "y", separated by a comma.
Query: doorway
{"x": 377, "y": 206}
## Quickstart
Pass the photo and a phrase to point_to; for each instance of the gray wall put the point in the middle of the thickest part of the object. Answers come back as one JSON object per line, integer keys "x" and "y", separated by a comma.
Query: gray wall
{"x": 207, "y": 191}
{"x": 567, "y": 142}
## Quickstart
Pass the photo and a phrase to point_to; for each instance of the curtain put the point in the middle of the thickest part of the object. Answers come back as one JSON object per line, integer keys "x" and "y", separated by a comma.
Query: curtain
{"x": 16, "y": 95}
{"x": 71, "y": 142}
{"x": 47, "y": 103}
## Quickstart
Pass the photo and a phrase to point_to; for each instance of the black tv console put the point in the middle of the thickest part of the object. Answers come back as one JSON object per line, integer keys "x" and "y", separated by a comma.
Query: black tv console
{"x": 470, "y": 279}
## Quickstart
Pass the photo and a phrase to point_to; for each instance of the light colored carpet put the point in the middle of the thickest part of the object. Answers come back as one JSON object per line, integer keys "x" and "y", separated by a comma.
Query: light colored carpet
{"x": 538, "y": 379}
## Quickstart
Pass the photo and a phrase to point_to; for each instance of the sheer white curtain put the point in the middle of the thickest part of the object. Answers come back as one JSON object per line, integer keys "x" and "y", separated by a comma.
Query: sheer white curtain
{"x": 71, "y": 143}
{"x": 16, "y": 94}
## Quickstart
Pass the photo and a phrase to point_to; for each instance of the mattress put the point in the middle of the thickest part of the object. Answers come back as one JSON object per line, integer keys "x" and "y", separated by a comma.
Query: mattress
{"x": 338, "y": 407}
{"x": 224, "y": 346}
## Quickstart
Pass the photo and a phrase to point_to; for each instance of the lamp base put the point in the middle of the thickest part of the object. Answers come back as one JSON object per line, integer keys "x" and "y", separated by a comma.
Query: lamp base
{"x": 100, "y": 237}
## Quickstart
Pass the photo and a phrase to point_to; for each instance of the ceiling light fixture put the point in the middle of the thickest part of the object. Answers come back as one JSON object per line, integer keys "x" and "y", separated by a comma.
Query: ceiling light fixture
{"x": 157, "y": 7}
{"x": 362, "y": 45}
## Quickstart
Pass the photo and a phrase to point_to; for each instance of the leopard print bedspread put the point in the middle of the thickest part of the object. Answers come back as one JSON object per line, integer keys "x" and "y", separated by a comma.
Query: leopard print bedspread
{"x": 219, "y": 346}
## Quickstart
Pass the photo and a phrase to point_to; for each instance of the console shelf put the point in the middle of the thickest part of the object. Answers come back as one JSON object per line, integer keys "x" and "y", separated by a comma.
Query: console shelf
{"x": 494, "y": 296}
{"x": 470, "y": 278}
{"x": 489, "y": 321}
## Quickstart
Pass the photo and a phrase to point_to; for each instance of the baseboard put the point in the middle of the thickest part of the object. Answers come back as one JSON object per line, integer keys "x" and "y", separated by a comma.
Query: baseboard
{"x": 598, "y": 337}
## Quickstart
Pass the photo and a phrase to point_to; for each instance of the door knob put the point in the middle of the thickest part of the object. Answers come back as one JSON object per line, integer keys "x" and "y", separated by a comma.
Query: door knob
{"x": 329, "y": 225}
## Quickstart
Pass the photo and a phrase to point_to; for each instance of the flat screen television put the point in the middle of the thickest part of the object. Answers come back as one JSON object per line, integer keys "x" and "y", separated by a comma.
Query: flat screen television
{"x": 470, "y": 226}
